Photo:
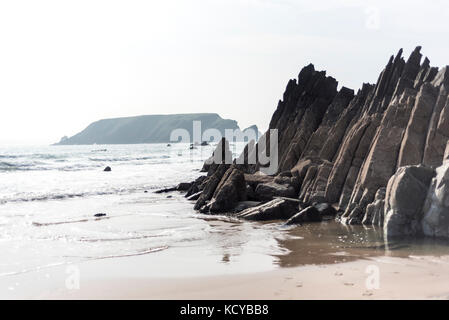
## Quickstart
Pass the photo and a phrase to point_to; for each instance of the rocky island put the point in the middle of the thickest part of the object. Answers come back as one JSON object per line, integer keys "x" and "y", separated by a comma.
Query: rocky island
{"x": 148, "y": 128}
{"x": 375, "y": 157}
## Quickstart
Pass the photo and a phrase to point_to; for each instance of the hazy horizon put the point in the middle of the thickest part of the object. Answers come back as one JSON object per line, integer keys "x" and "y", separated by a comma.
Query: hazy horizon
{"x": 64, "y": 65}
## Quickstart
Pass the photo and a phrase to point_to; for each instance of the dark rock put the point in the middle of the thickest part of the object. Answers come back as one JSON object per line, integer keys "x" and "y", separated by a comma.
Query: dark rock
{"x": 229, "y": 192}
{"x": 169, "y": 197}
{"x": 107, "y": 169}
{"x": 277, "y": 209}
{"x": 254, "y": 180}
{"x": 325, "y": 209}
{"x": 196, "y": 186}
{"x": 309, "y": 214}
{"x": 97, "y": 215}
{"x": 184, "y": 186}
{"x": 341, "y": 148}
{"x": 166, "y": 190}
{"x": 194, "y": 196}
{"x": 251, "y": 194}
{"x": 210, "y": 184}
{"x": 267, "y": 191}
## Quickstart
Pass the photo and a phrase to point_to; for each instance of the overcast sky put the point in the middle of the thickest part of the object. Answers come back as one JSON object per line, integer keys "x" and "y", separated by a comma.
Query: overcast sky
{"x": 64, "y": 64}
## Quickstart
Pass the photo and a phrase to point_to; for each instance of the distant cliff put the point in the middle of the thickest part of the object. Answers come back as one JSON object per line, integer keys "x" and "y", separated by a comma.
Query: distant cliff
{"x": 146, "y": 129}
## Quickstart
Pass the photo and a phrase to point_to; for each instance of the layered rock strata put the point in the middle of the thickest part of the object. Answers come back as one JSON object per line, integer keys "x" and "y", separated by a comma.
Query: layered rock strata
{"x": 342, "y": 148}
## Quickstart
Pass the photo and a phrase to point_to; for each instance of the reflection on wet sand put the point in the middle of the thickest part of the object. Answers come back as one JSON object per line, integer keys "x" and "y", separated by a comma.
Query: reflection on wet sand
{"x": 332, "y": 242}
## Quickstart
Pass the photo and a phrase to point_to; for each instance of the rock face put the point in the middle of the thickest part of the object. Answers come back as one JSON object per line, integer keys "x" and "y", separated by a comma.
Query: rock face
{"x": 231, "y": 190}
{"x": 343, "y": 147}
{"x": 404, "y": 200}
{"x": 436, "y": 208}
{"x": 375, "y": 211}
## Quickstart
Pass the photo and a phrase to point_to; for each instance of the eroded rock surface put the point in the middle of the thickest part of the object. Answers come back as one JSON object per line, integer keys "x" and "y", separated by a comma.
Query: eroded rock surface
{"x": 435, "y": 222}
{"x": 404, "y": 200}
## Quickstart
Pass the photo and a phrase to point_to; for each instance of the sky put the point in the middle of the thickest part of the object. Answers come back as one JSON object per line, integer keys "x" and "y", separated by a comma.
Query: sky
{"x": 65, "y": 64}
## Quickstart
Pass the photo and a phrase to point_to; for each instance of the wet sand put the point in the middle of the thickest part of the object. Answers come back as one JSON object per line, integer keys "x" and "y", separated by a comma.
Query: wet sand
{"x": 317, "y": 261}
{"x": 399, "y": 278}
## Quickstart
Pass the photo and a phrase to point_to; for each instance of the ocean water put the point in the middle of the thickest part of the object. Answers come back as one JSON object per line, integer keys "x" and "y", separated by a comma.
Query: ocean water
{"x": 49, "y": 196}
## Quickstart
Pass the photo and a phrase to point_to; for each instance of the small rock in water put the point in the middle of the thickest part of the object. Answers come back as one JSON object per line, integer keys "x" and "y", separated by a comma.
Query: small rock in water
{"x": 169, "y": 197}
{"x": 107, "y": 169}
{"x": 99, "y": 215}
{"x": 145, "y": 191}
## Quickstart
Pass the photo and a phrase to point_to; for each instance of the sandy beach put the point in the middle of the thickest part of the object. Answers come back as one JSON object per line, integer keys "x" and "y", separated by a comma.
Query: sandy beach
{"x": 398, "y": 278}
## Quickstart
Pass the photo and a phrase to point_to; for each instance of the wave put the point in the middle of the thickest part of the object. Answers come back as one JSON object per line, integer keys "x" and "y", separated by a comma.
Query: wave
{"x": 41, "y": 166}
{"x": 70, "y": 195}
{"x": 45, "y": 224}
{"x": 124, "y": 159}
{"x": 132, "y": 254}
{"x": 10, "y": 166}
{"x": 60, "y": 196}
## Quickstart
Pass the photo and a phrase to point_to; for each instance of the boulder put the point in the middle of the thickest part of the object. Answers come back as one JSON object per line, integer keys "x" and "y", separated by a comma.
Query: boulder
{"x": 107, "y": 169}
{"x": 98, "y": 215}
{"x": 309, "y": 214}
{"x": 435, "y": 222}
{"x": 277, "y": 209}
{"x": 257, "y": 178}
{"x": 404, "y": 199}
{"x": 184, "y": 186}
{"x": 267, "y": 191}
{"x": 231, "y": 190}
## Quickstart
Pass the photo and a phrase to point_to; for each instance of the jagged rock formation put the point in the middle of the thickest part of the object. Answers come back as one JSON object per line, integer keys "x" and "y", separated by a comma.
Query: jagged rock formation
{"x": 343, "y": 148}
{"x": 370, "y": 155}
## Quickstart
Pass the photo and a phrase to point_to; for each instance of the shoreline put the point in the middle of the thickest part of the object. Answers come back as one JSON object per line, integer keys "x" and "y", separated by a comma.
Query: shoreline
{"x": 332, "y": 281}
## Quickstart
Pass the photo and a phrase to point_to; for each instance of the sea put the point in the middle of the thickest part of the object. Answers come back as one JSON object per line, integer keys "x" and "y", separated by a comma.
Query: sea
{"x": 49, "y": 196}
